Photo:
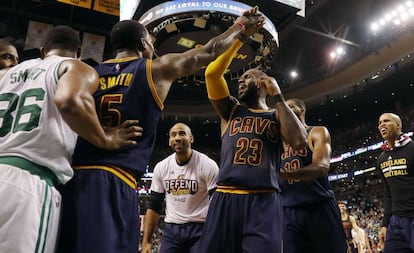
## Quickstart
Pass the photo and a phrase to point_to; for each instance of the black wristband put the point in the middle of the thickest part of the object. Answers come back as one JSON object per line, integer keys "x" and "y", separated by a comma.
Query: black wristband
{"x": 242, "y": 37}
{"x": 278, "y": 98}
{"x": 156, "y": 201}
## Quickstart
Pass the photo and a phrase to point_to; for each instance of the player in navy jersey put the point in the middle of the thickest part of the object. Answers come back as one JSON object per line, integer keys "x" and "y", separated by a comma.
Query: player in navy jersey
{"x": 45, "y": 104}
{"x": 245, "y": 212}
{"x": 310, "y": 210}
{"x": 101, "y": 213}
{"x": 350, "y": 228}
{"x": 396, "y": 164}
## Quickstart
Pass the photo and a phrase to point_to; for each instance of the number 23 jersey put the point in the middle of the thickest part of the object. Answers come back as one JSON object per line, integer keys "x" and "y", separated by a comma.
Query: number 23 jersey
{"x": 251, "y": 149}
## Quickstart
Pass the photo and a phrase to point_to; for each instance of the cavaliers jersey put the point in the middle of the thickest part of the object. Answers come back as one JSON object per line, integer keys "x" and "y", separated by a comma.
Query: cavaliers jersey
{"x": 31, "y": 126}
{"x": 297, "y": 192}
{"x": 347, "y": 228}
{"x": 397, "y": 166}
{"x": 126, "y": 91}
{"x": 250, "y": 151}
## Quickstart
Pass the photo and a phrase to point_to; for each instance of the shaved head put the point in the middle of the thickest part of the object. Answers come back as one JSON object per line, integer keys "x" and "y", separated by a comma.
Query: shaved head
{"x": 182, "y": 126}
{"x": 389, "y": 126}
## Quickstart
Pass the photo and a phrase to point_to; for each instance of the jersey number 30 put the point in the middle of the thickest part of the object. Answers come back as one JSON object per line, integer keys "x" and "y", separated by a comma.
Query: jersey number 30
{"x": 27, "y": 115}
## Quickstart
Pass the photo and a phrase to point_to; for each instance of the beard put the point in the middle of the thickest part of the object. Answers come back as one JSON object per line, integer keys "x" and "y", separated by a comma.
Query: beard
{"x": 249, "y": 95}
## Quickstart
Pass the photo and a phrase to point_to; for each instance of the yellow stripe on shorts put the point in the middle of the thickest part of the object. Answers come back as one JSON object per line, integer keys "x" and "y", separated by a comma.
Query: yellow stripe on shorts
{"x": 125, "y": 176}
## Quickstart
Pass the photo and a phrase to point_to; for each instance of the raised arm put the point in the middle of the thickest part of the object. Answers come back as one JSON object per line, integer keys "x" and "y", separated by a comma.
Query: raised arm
{"x": 292, "y": 130}
{"x": 73, "y": 97}
{"x": 319, "y": 140}
{"x": 217, "y": 89}
{"x": 171, "y": 66}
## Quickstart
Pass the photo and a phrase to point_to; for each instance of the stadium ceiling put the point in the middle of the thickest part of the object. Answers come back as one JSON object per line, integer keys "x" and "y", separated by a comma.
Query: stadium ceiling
{"x": 306, "y": 41}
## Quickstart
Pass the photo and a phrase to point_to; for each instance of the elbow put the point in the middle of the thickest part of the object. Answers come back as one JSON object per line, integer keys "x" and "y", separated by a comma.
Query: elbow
{"x": 324, "y": 170}
{"x": 67, "y": 105}
{"x": 299, "y": 143}
{"x": 211, "y": 73}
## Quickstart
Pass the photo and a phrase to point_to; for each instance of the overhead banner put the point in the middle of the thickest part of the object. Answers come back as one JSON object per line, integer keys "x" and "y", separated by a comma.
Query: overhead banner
{"x": 80, "y": 3}
{"x": 36, "y": 32}
{"x": 171, "y": 8}
{"x": 110, "y": 7}
{"x": 93, "y": 46}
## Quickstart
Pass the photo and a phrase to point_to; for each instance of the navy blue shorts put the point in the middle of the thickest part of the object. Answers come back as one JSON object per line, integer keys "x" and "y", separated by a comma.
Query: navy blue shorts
{"x": 400, "y": 235}
{"x": 248, "y": 223}
{"x": 100, "y": 213}
{"x": 181, "y": 238}
{"x": 315, "y": 228}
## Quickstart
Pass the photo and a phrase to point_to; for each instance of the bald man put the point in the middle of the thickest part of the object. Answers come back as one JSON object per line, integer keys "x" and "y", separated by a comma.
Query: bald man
{"x": 185, "y": 179}
{"x": 397, "y": 165}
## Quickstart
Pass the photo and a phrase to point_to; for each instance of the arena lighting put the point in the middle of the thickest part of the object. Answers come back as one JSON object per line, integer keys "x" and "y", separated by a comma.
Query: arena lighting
{"x": 196, "y": 22}
{"x": 163, "y": 11}
{"x": 397, "y": 18}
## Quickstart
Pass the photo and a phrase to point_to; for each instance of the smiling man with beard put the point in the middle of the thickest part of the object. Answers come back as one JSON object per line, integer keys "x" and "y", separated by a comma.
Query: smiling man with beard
{"x": 397, "y": 165}
{"x": 185, "y": 179}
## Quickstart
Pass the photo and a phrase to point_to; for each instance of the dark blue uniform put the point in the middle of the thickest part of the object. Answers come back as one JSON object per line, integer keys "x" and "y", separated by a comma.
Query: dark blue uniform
{"x": 244, "y": 213}
{"x": 311, "y": 217}
{"x": 397, "y": 166}
{"x": 101, "y": 210}
{"x": 351, "y": 244}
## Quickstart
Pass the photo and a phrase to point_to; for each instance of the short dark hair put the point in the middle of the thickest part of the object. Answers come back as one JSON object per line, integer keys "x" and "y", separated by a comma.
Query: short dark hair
{"x": 5, "y": 42}
{"x": 300, "y": 103}
{"x": 62, "y": 37}
{"x": 127, "y": 34}
{"x": 342, "y": 202}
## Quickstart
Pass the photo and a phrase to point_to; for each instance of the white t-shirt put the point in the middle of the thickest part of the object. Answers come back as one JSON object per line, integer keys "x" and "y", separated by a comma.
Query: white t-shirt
{"x": 186, "y": 187}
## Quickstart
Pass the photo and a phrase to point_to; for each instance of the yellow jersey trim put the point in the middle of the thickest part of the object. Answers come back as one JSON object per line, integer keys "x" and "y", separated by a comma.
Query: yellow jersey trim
{"x": 131, "y": 58}
{"x": 151, "y": 85}
{"x": 235, "y": 190}
{"x": 125, "y": 176}
{"x": 230, "y": 118}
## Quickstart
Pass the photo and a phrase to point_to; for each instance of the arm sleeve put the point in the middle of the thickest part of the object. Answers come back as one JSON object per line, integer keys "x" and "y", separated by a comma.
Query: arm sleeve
{"x": 215, "y": 82}
{"x": 155, "y": 202}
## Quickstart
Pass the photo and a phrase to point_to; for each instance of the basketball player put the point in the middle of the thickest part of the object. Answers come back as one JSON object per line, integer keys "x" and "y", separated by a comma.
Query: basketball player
{"x": 245, "y": 212}
{"x": 349, "y": 224}
{"x": 43, "y": 101}
{"x": 396, "y": 163}
{"x": 310, "y": 210}
{"x": 105, "y": 216}
{"x": 8, "y": 56}
{"x": 185, "y": 179}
